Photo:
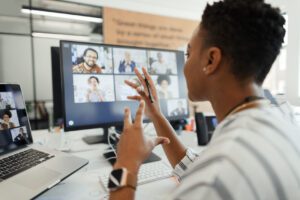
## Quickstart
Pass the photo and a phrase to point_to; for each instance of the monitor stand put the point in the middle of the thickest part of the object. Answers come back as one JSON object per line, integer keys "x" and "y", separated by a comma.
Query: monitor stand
{"x": 96, "y": 139}
{"x": 110, "y": 156}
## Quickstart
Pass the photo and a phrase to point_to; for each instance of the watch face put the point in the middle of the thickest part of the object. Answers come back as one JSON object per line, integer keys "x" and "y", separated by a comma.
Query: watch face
{"x": 115, "y": 178}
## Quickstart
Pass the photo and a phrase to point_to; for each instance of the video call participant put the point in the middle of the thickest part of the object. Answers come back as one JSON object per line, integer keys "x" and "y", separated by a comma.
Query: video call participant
{"x": 160, "y": 66}
{"x": 90, "y": 57}
{"x": 127, "y": 65}
{"x": 180, "y": 110}
{"x": 255, "y": 149}
{"x": 6, "y": 124}
{"x": 94, "y": 93}
{"x": 4, "y": 104}
{"x": 21, "y": 138}
{"x": 164, "y": 82}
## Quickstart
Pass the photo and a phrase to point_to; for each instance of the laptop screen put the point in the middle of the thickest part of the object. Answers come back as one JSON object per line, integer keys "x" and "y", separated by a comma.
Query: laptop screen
{"x": 14, "y": 124}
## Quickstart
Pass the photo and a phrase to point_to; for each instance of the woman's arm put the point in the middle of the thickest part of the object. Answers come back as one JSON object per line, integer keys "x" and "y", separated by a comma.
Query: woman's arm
{"x": 135, "y": 145}
{"x": 175, "y": 151}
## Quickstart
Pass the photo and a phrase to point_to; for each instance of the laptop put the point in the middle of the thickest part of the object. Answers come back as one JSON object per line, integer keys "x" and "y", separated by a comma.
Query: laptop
{"x": 27, "y": 169}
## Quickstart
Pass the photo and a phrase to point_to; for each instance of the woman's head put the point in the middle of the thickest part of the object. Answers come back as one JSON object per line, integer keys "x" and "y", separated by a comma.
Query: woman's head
{"x": 6, "y": 115}
{"x": 163, "y": 81}
{"x": 93, "y": 81}
{"x": 236, "y": 40}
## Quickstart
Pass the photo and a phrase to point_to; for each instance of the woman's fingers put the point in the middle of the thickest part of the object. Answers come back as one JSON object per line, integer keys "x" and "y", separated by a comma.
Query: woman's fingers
{"x": 127, "y": 118}
{"x": 132, "y": 85}
{"x": 137, "y": 98}
{"x": 139, "y": 114}
{"x": 141, "y": 79}
{"x": 161, "y": 140}
{"x": 151, "y": 83}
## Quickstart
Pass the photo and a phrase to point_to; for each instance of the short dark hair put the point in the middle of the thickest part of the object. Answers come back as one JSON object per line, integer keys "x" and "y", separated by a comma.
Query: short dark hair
{"x": 249, "y": 33}
{"x": 94, "y": 77}
{"x": 90, "y": 49}
{"x": 6, "y": 112}
{"x": 162, "y": 78}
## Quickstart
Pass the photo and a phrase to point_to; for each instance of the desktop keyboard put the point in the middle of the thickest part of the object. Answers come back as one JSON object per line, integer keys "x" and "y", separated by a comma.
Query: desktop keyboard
{"x": 20, "y": 162}
{"x": 148, "y": 172}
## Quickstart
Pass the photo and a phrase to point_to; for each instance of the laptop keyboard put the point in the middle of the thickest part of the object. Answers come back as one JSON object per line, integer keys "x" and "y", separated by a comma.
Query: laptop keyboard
{"x": 22, "y": 161}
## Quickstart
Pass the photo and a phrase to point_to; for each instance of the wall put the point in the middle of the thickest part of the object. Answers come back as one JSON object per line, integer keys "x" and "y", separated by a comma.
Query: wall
{"x": 188, "y": 9}
{"x": 192, "y": 9}
{"x": 293, "y": 52}
{"x": 15, "y": 62}
{"x": 43, "y": 67}
{"x": 293, "y": 49}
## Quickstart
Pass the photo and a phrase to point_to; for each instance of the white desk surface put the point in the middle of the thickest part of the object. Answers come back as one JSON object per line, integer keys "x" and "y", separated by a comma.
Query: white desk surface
{"x": 84, "y": 184}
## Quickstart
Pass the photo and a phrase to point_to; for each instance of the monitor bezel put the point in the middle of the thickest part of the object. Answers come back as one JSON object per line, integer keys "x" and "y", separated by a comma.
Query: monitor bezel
{"x": 116, "y": 123}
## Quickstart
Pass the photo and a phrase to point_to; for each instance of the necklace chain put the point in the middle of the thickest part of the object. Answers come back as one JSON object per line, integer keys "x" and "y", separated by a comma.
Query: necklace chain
{"x": 248, "y": 102}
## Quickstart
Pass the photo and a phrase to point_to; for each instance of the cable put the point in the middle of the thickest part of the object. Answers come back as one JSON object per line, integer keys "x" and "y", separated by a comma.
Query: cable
{"x": 110, "y": 158}
{"x": 113, "y": 132}
{"x": 109, "y": 143}
{"x": 110, "y": 133}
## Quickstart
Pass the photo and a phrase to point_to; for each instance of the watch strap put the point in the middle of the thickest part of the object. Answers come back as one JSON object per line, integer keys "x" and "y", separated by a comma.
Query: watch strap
{"x": 131, "y": 180}
{"x": 126, "y": 180}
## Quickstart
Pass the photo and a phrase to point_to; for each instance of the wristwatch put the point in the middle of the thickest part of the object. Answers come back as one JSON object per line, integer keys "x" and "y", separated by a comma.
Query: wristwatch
{"x": 120, "y": 178}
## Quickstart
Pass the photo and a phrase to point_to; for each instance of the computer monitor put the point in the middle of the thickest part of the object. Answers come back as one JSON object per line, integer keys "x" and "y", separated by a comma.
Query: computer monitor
{"x": 56, "y": 86}
{"x": 94, "y": 92}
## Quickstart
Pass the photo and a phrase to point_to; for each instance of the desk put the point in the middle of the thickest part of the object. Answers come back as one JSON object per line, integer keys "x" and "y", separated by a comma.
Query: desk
{"x": 84, "y": 184}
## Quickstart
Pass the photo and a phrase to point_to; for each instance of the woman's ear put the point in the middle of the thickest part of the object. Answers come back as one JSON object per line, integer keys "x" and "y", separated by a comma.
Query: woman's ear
{"x": 214, "y": 56}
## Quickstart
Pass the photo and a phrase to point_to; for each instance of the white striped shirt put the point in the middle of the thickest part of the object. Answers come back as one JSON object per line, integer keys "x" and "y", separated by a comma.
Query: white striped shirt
{"x": 253, "y": 155}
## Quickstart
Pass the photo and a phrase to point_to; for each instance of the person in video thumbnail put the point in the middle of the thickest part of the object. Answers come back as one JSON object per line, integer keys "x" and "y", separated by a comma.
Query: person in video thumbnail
{"x": 164, "y": 82}
{"x": 160, "y": 66}
{"x": 179, "y": 111}
{"x": 94, "y": 94}
{"x": 6, "y": 124}
{"x": 127, "y": 65}
{"x": 4, "y": 103}
{"x": 90, "y": 57}
{"x": 21, "y": 138}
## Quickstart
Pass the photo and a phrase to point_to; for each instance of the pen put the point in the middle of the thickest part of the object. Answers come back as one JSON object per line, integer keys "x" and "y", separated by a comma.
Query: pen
{"x": 148, "y": 88}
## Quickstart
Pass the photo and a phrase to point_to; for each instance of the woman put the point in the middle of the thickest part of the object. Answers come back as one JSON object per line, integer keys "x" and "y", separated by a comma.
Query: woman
{"x": 164, "y": 82}
{"x": 94, "y": 94}
{"x": 6, "y": 124}
{"x": 254, "y": 152}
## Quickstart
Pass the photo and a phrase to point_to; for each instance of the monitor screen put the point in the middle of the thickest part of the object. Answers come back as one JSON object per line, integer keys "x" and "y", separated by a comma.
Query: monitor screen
{"x": 95, "y": 94}
{"x": 14, "y": 123}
